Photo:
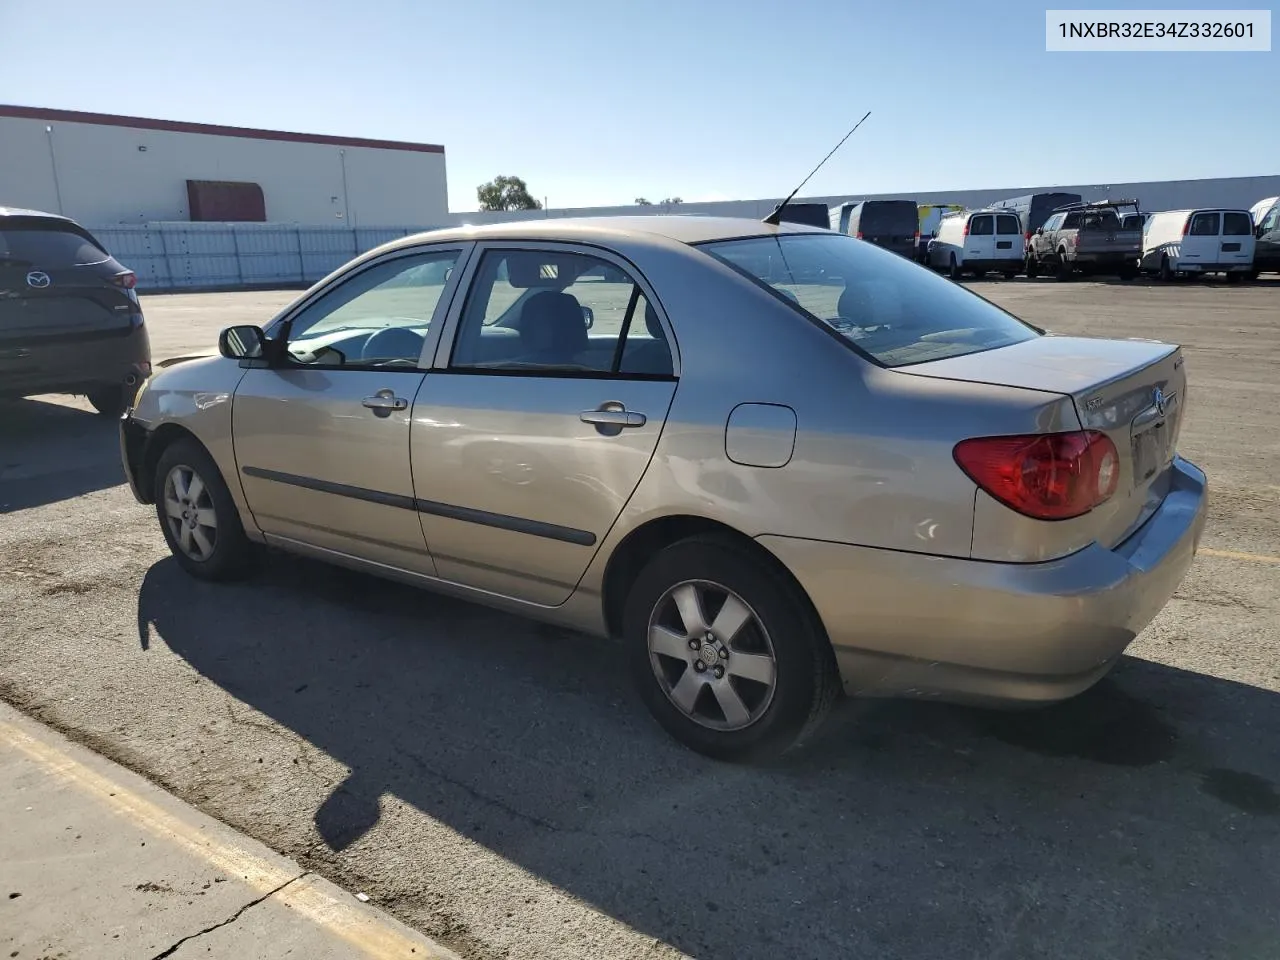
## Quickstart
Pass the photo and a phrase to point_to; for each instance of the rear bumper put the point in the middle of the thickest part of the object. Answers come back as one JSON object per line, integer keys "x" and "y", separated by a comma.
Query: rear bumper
{"x": 906, "y": 624}
{"x": 1123, "y": 259}
{"x": 1215, "y": 267}
{"x": 73, "y": 365}
{"x": 996, "y": 265}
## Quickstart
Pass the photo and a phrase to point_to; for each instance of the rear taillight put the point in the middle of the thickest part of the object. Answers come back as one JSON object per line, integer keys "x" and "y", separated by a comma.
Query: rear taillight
{"x": 1026, "y": 237}
{"x": 858, "y": 235}
{"x": 1186, "y": 226}
{"x": 1049, "y": 476}
{"x": 127, "y": 280}
{"x": 966, "y": 231}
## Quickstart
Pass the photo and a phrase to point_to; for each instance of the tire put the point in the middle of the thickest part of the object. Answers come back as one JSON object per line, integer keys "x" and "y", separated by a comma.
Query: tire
{"x": 1066, "y": 270}
{"x": 1010, "y": 274}
{"x": 1128, "y": 273}
{"x": 1253, "y": 275}
{"x": 1031, "y": 267}
{"x": 1166, "y": 272}
{"x": 954, "y": 271}
{"x": 764, "y": 721}
{"x": 1234, "y": 277}
{"x": 227, "y": 552}
{"x": 109, "y": 401}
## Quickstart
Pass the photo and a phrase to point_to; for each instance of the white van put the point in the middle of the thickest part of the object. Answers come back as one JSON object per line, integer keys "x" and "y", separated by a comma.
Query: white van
{"x": 976, "y": 242}
{"x": 1193, "y": 242}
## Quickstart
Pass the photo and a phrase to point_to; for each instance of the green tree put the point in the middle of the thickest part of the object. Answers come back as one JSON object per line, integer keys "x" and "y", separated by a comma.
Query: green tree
{"x": 506, "y": 193}
{"x": 642, "y": 202}
{"x": 672, "y": 200}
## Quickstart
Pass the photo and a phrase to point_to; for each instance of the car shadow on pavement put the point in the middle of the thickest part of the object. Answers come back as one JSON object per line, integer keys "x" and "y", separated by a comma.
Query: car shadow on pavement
{"x": 50, "y": 452}
{"x": 1139, "y": 820}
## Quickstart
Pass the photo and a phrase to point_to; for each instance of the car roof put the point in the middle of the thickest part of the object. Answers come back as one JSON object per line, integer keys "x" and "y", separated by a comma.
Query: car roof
{"x": 684, "y": 229}
{"x": 22, "y": 212}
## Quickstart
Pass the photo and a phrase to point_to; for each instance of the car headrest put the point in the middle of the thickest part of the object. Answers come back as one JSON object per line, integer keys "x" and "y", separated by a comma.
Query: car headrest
{"x": 391, "y": 343}
{"x": 552, "y": 324}
{"x": 854, "y": 303}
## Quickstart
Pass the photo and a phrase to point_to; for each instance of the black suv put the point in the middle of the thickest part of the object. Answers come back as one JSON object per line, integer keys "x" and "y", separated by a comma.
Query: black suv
{"x": 69, "y": 317}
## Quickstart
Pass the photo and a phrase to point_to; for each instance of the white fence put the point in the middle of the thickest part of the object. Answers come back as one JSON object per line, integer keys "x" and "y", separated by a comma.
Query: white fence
{"x": 210, "y": 256}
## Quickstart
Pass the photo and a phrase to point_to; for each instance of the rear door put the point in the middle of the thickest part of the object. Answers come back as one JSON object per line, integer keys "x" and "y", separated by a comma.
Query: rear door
{"x": 981, "y": 242}
{"x": 1237, "y": 239}
{"x": 1008, "y": 237}
{"x": 1203, "y": 238}
{"x": 56, "y": 287}
{"x": 533, "y": 428}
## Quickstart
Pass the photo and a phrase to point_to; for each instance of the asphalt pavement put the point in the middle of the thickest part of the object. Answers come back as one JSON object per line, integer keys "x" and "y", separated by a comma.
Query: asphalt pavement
{"x": 494, "y": 783}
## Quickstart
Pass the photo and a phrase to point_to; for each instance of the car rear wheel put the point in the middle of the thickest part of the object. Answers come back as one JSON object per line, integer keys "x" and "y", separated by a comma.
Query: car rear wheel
{"x": 953, "y": 269}
{"x": 197, "y": 515}
{"x": 1253, "y": 275}
{"x": 1234, "y": 277}
{"x": 1031, "y": 267}
{"x": 727, "y": 656}
{"x": 1166, "y": 270}
{"x": 1128, "y": 273}
{"x": 1010, "y": 274}
{"x": 109, "y": 401}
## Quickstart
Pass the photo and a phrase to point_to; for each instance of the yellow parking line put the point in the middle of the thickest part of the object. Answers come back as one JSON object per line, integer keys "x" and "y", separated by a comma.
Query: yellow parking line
{"x": 1235, "y": 555}
{"x": 361, "y": 927}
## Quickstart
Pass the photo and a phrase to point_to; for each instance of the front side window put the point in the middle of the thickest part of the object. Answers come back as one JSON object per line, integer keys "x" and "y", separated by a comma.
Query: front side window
{"x": 1236, "y": 224}
{"x": 1204, "y": 225}
{"x": 378, "y": 318}
{"x": 884, "y": 306}
{"x": 983, "y": 226}
{"x": 555, "y": 312}
{"x": 1271, "y": 221}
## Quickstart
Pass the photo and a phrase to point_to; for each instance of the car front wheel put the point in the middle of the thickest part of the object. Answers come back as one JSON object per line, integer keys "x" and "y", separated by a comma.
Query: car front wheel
{"x": 726, "y": 655}
{"x": 197, "y": 515}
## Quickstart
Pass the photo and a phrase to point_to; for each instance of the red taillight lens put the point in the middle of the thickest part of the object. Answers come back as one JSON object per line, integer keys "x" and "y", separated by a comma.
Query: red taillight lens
{"x": 1049, "y": 476}
{"x": 127, "y": 280}
{"x": 966, "y": 231}
{"x": 1186, "y": 226}
{"x": 1026, "y": 237}
{"x": 858, "y": 235}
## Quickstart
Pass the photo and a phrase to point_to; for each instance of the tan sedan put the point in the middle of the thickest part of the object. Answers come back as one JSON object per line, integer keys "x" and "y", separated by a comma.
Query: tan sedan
{"x": 778, "y": 463}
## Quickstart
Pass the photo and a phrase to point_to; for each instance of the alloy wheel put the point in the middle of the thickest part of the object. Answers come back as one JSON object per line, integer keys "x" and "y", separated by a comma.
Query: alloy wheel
{"x": 190, "y": 513}
{"x": 711, "y": 655}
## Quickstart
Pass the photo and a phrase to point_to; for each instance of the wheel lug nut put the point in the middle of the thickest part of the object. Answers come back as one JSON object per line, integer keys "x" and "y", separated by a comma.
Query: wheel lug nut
{"x": 695, "y": 644}
{"x": 700, "y": 666}
{"x": 724, "y": 653}
{"x": 709, "y": 637}
{"x": 719, "y": 671}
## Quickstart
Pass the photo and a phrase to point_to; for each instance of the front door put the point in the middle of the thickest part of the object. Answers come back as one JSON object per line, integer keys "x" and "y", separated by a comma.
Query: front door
{"x": 1266, "y": 253}
{"x": 537, "y": 425}
{"x": 322, "y": 440}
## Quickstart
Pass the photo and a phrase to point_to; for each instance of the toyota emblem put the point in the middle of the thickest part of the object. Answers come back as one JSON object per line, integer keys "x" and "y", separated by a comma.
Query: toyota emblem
{"x": 1160, "y": 401}
{"x": 38, "y": 279}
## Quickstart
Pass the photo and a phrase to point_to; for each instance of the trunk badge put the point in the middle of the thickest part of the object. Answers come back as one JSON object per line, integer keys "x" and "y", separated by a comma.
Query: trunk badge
{"x": 1159, "y": 399}
{"x": 38, "y": 279}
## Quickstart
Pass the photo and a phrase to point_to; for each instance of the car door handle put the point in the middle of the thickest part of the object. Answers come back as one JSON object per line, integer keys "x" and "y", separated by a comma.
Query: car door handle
{"x": 385, "y": 400}
{"x": 613, "y": 417}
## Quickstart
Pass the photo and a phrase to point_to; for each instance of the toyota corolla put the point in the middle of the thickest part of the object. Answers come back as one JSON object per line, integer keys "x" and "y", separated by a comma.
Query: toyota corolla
{"x": 778, "y": 464}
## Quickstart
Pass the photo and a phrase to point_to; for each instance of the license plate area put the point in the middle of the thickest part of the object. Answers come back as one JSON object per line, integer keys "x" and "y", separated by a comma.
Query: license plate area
{"x": 1231, "y": 248}
{"x": 1004, "y": 244}
{"x": 1152, "y": 446}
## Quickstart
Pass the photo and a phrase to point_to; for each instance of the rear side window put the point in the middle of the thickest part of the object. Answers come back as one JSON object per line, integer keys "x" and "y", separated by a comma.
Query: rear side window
{"x": 48, "y": 246}
{"x": 1006, "y": 225}
{"x": 1236, "y": 224}
{"x": 1204, "y": 225}
{"x": 1072, "y": 221}
{"x": 982, "y": 226}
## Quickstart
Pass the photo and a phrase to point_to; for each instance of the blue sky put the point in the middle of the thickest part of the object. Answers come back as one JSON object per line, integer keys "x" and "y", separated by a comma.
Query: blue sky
{"x": 600, "y": 101}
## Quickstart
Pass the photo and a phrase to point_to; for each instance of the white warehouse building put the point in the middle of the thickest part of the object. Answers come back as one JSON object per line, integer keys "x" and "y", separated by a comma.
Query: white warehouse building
{"x": 104, "y": 170}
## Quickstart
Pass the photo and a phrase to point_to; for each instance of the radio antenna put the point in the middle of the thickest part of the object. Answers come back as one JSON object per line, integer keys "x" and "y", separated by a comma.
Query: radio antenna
{"x": 776, "y": 217}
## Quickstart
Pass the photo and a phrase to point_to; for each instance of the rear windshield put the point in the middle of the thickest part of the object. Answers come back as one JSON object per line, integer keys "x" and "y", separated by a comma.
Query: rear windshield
{"x": 1236, "y": 224}
{"x": 1100, "y": 220}
{"x": 47, "y": 246}
{"x": 1204, "y": 225}
{"x": 885, "y": 306}
{"x": 888, "y": 217}
{"x": 1006, "y": 224}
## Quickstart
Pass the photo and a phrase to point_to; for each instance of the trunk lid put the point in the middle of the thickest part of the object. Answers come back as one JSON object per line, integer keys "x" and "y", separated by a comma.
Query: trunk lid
{"x": 1134, "y": 391}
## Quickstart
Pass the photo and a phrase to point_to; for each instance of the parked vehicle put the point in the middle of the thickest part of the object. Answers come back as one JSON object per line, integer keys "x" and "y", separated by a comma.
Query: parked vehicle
{"x": 814, "y": 214}
{"x": 1191, "y": 243}
{"x": 1033, "y": 209}
{"x": 1086, "y": 238}
{"x": 1266, "y": 232}
{"x": 928, "y": 217}
{"x": 1000, "y": 517}
{"x": 70, "y": 321}
{"x": 977, "y": 242}
{"x": 892, "y": 224}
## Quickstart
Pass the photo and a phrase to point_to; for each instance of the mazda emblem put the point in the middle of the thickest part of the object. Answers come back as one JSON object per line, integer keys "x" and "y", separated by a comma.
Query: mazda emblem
{"x": 38, "y": 279}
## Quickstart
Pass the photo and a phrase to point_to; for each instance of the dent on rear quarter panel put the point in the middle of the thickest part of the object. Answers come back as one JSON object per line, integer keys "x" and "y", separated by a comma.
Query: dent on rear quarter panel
{"x": 196, "y": 395}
